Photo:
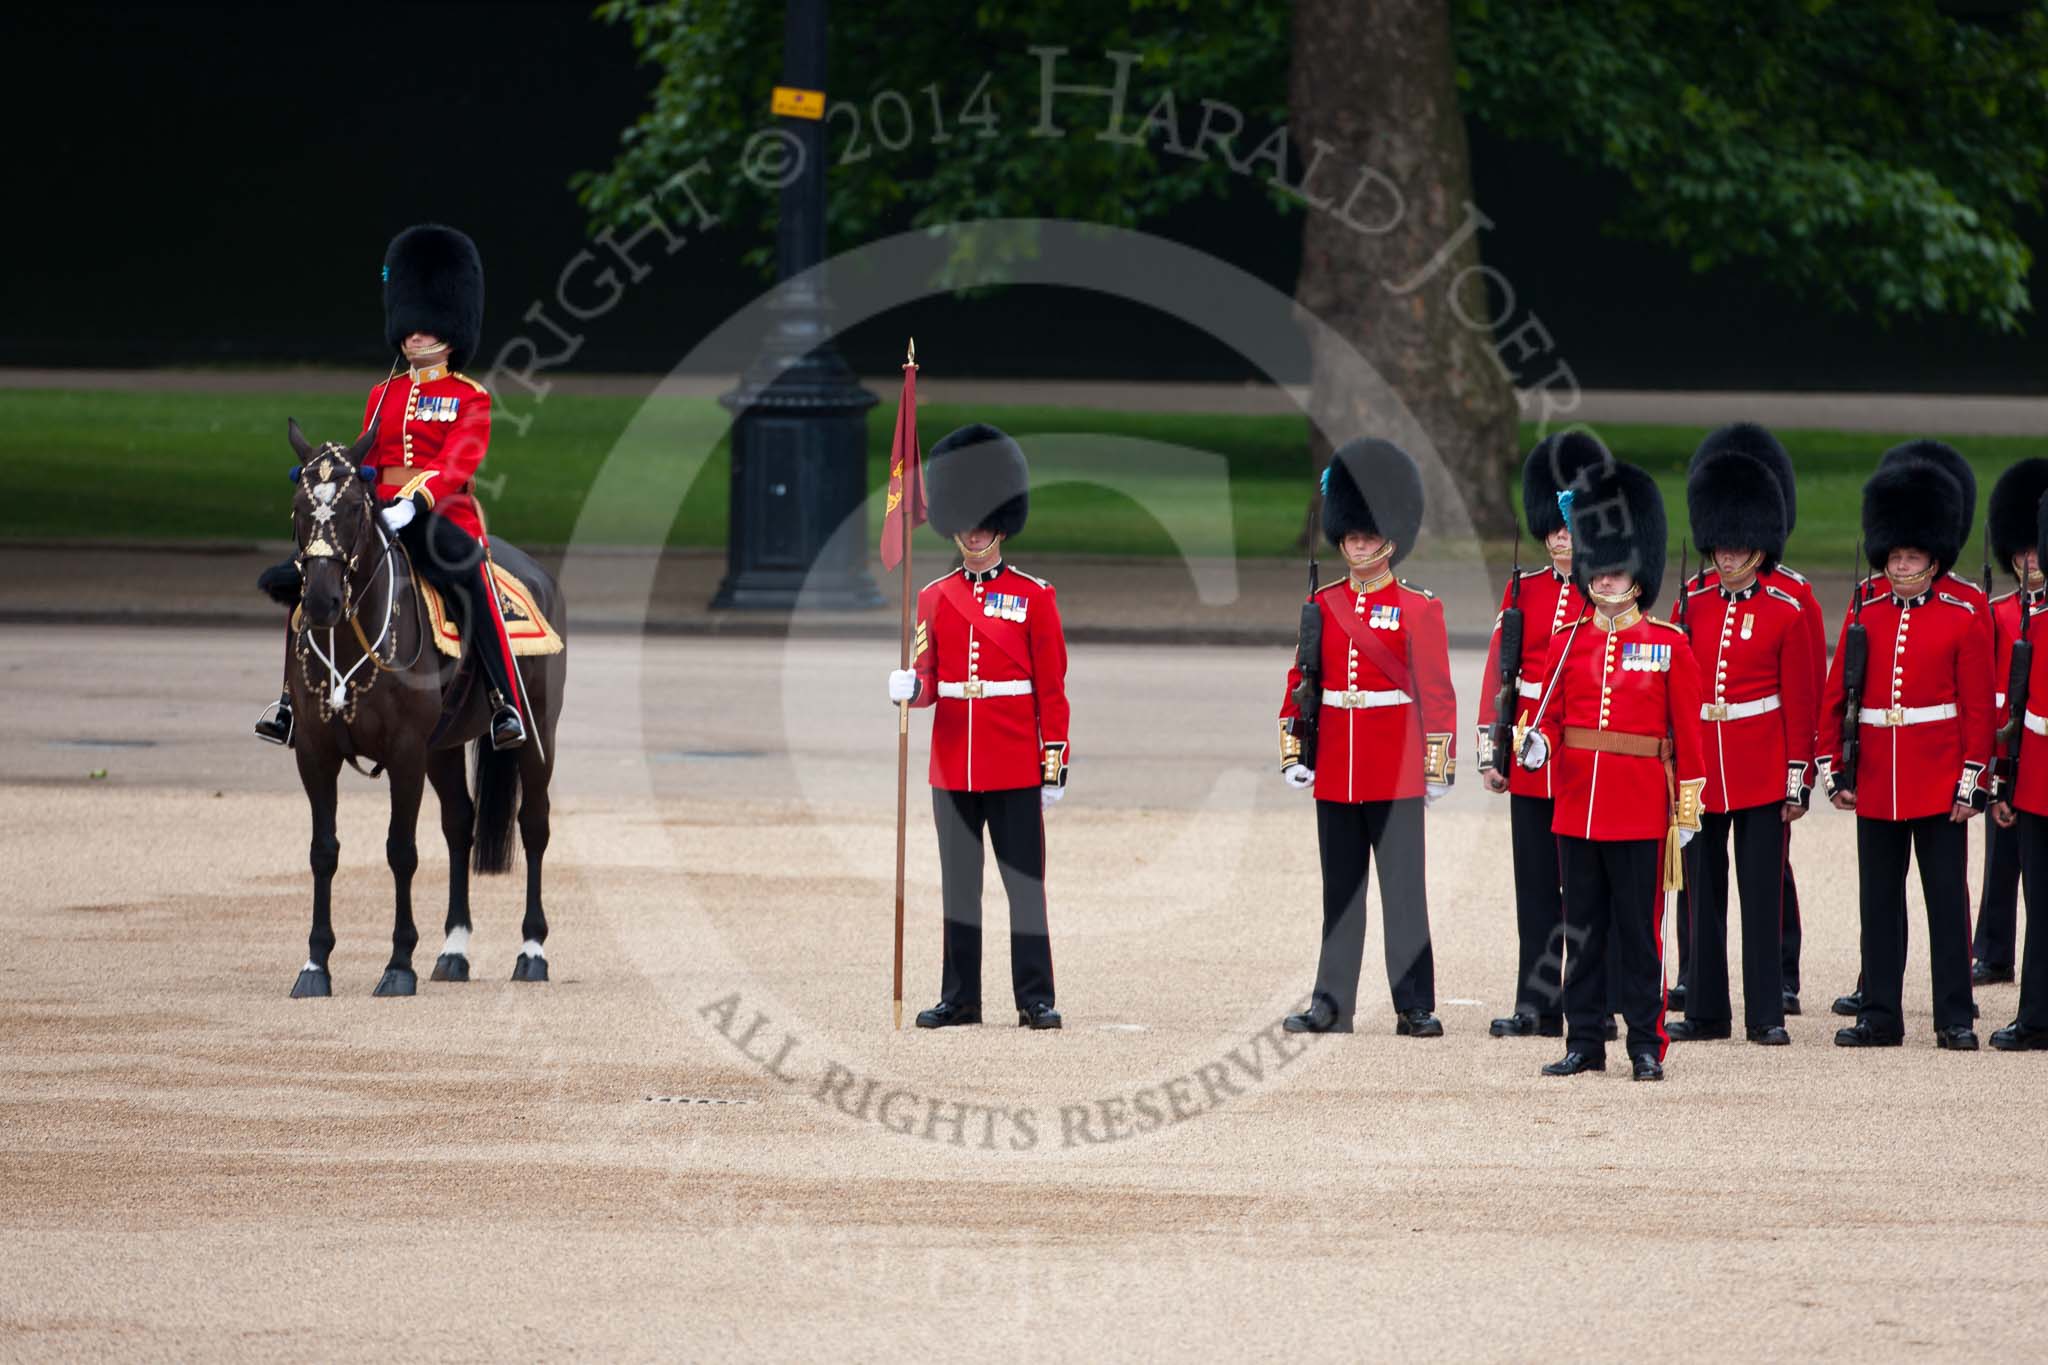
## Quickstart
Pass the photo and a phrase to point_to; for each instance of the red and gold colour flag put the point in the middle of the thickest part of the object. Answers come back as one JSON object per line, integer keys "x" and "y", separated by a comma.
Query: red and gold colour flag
{"x": 906, "y": 475}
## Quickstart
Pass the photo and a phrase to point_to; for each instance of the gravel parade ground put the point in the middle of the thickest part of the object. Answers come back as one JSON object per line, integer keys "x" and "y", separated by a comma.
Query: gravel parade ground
{"x": 703, "y": 1135}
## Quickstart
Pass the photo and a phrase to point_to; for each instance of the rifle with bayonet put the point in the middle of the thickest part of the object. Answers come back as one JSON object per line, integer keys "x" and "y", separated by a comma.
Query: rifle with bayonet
{"x": 1855, "y": 664}
{"x": 2005, "y": 766}
{"x": 1308, "y": 657}
{"x": 1501, "y": 737}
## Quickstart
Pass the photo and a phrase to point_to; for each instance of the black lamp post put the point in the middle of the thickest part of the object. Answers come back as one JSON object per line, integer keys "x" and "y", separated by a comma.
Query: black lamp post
{"x": 799, "y": 435}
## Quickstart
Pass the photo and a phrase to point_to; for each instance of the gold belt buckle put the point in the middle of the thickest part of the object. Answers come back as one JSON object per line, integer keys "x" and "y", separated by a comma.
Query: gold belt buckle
{"x": 1895, "y": 715}
{"x": 1718, "y": 711}
{"x": 971, "y": 690}
{"x": 1351, "y": 698}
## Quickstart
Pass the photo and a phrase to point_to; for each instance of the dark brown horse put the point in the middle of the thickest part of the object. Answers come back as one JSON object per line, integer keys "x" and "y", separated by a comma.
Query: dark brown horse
{"x": 367, "y": 683}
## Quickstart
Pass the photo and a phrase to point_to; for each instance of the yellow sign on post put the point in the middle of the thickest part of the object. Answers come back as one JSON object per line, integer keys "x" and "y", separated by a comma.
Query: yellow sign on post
{"x": 790, "y": 102}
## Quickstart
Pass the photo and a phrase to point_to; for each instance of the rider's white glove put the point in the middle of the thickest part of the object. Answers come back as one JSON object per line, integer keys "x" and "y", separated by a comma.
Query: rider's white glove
{"x": 1298, "y": 777}
{"x": 902, "y": 684}
{"x": 1535, "y": 751}
{"x": 399, "y": 514}
{"x": 1432, "y": 792}
{"x": 1685, "y": 836}
{"x": 1048, "y": 797}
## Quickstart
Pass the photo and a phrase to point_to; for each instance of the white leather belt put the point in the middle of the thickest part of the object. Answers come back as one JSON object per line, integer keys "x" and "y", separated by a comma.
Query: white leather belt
{"x": 1906, "y": 715}
{"x": 2037, "y": 723}
{"x": 1738, "y": 710}
{"x": 1364, "y": 701}
{"x": 1016, "y": 687}
{"x": 1533, "y": 691}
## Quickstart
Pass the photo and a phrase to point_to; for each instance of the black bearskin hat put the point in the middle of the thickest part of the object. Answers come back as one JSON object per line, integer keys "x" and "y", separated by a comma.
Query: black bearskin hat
{"x": 1950, "y": 461}
{"x": 1915, "y": 504}
{"x": 977, "y": 477}
{"x": 1734, "y": 504}
{"x": 1373, "y": 486}
{"x": 2015, "y": 505}
{"x": 2041, "y": 535}
{"x": 1618, "y": 526}
{"x": 1549, "y": 469}
{"x": 434, "y": 283}
{"x": 1747, "y": 438}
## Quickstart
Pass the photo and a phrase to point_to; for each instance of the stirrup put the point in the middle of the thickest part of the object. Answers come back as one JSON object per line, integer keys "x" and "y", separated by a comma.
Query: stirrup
{"x": 274, "y": 726}
{"x": 499, "y": 720}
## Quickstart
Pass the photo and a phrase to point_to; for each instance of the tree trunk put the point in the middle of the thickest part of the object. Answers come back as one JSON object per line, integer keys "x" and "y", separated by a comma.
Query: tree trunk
{"x": 1390, "y": 260}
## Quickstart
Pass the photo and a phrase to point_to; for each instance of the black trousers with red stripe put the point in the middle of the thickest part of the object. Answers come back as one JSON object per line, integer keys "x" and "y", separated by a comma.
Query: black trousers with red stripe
{"x": 1790, "y": 935}
{"x": 2031, "y": 834}
{"x": 1539, "y": 906}
{"x": 1884, "y": 851}
{"x": 1998, "y": 905}
{"x": 1348, "y": 834}
{"x": 1015, "y": 821}
{"x": 452, "y": 560}
{"x": 1759, "y": 835}
{"x": 1614, "y": 921}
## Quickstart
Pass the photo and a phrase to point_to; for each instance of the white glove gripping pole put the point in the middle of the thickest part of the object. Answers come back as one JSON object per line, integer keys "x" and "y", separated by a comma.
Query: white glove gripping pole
{"x": 1549, "y": 686}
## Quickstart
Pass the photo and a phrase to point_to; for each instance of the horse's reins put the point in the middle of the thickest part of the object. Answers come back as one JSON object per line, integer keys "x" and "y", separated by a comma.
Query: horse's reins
{"x": 338, "y": 696}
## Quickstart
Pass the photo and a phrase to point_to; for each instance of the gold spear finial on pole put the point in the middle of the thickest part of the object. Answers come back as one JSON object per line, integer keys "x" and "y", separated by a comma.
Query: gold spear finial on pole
{"x": 913, "y": 352}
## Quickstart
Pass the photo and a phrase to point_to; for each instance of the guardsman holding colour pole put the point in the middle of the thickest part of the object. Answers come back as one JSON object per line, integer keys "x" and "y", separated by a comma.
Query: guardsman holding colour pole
{"x": 2023, "y": 808}
{"x": 2009, "y": 526}
{"x": 1757, "y": 716}
{"x": 1374, "y": 682}
{"x": 1534, "y": 607}
{"x": 1922, "y": 730}
{"x": 1621, "y": 720}
{"x": 991, "y": 658}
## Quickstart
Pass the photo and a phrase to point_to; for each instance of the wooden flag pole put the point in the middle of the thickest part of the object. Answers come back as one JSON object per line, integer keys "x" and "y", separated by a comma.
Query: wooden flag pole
{"x": 903, "y": 719}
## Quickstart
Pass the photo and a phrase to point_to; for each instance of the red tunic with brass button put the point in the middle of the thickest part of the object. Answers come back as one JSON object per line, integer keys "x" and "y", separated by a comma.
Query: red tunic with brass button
{"x": 992, "y": 660}
{"x": 1925, "y": 723}
{"x": 2031, "y": 792}
{"x": 1550, "y": 602}
{"x": 1758, "y": 693}
{"x": 1382, "y": 732}
{"x": 433, "y": 430}
{"x": 1795, "y": 583}
{"x": 1634, "y": 676}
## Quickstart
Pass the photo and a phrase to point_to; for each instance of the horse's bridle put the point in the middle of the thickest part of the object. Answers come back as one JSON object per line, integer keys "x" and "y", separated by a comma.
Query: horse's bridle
{"x": 336, "y": 474}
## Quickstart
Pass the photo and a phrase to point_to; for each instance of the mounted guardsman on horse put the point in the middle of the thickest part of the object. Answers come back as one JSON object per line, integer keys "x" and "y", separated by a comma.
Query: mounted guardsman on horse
{"x": 399, "y": 597}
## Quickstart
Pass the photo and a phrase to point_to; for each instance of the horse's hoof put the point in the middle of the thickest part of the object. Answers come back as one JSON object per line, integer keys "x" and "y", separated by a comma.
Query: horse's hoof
{"x": 451, "y": 967}
{"x": 529, "y": 968}
{"x": 313, "y": 984}
{"x": 398, "y": 981}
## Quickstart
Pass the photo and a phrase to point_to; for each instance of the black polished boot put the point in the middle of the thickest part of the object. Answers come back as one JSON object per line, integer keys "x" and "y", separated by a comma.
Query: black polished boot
{"x": 1319, "y": 1017}
{"x": 946, "y": 1014}
{"x": 1418, "y": 1024}
{"x": 1572, "y": 1063}
{"x": 1699, "y": 1030}
{"x": 1985, "y": 974}
{"x": 1849, "y": 1006}
{"x": 507, "y": 730}
{"x": 274, "y": 726}
{"x": 1038, "y": 1014}
{"x": 1645, "y": 1067}
{"x": 1516, "y": 1025}
{"x": 2017, "y": 1037}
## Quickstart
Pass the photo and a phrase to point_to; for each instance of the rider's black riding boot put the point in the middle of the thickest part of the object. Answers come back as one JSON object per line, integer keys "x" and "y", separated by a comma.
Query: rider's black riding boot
{"x": 275, "y": 724}
{"x": 507, "y": 730}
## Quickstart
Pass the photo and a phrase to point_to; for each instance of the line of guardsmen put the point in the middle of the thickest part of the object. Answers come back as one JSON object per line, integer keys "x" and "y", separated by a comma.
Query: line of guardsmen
{"x": 1636, "y": 752}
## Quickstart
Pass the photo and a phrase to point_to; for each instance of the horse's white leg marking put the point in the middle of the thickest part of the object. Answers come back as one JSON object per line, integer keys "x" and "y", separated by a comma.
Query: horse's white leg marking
{"x": 457, "y": 944}
{"x": 532, "y": 948}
